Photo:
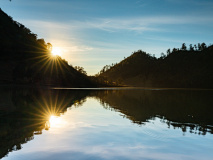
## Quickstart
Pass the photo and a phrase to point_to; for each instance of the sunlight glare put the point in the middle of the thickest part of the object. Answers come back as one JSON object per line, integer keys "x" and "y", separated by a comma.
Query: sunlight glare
{"x": 56, "y": 51}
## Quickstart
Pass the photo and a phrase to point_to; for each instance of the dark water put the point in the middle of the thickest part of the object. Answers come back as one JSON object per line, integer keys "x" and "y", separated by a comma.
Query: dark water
{"x": 116, "y": 124}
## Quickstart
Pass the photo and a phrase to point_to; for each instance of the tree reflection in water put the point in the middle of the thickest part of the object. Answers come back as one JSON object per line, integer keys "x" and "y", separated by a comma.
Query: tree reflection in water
{"x": 186, "y": 109}
{"x": 27, "y": 112}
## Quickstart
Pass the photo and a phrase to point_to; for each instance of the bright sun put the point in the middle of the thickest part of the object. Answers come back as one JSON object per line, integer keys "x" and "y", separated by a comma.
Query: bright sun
{"x": 56, "y": 51}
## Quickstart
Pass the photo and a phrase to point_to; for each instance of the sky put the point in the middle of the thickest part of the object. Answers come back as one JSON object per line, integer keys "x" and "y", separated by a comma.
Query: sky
{"x": 95, "y": 33}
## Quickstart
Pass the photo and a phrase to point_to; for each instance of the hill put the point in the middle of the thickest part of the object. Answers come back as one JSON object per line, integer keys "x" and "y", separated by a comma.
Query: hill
{"x": 25, "y": 59}
{"x": 180, "y": 68}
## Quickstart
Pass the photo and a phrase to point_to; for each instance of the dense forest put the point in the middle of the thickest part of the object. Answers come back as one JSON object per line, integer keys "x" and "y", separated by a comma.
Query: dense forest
{"x": 183, "y": 67}
{"x": 25, "y": 59}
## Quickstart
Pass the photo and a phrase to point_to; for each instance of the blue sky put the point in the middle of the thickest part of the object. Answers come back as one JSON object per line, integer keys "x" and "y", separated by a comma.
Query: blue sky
{"x": 94, "y": 33}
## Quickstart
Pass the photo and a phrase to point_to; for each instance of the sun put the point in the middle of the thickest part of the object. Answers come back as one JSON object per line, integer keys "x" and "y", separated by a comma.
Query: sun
{"x": 56, "y": 51}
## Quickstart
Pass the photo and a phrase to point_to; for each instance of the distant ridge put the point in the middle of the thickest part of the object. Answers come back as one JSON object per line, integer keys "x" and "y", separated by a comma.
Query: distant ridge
{"x": 181, "y": 68}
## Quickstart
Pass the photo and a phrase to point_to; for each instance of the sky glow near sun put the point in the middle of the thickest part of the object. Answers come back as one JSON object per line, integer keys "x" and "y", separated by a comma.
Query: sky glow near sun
{"x": 95, "y": 33}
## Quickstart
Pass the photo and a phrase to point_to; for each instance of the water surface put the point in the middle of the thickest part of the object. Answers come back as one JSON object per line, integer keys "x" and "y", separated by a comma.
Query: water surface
{"x": 105, "y": 124}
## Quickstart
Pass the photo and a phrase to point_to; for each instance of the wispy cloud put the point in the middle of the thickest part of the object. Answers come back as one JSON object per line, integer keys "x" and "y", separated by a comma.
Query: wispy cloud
{"x": 138, "y": 24}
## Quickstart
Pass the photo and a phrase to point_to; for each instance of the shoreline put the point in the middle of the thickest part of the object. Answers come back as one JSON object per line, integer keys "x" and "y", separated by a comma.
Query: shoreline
{"x": 96, "y": 88}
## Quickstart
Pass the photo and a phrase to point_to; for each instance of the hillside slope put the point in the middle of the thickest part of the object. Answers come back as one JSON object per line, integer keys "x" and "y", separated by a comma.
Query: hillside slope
{"x": 180, "y": 68}
{"x": 24, "y": 59}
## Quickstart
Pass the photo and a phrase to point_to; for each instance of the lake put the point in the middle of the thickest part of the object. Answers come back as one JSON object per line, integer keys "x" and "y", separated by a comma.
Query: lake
{"x": 108, "y": 124}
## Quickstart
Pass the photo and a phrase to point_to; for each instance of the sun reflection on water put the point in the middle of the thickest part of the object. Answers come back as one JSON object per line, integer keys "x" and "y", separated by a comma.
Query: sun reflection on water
{"x": 55, "y": 121}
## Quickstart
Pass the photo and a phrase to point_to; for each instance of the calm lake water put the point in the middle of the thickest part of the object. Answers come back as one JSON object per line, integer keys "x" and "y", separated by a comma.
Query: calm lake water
{"x": 111, "y": 124}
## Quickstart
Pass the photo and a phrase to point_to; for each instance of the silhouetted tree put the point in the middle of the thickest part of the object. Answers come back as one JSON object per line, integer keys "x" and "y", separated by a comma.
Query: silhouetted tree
{"x": 49, "y": 46}
{"x": 163, "y": 55}
{"x": 191, "y": 48}
{"x": 199, "y": 46}
{"x": 168, "y": 52}
{"x": 80, "y": 69}
{"x": 203, "y": 46}
{"x": 195, "y": 47}
{"x": 174, "y": 50}
{"x": 183, "y": 47}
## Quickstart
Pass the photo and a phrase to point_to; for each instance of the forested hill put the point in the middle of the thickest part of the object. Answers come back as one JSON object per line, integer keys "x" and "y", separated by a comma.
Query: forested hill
{"x": 182, "y": 68}
{"x": 25, "y": 59}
